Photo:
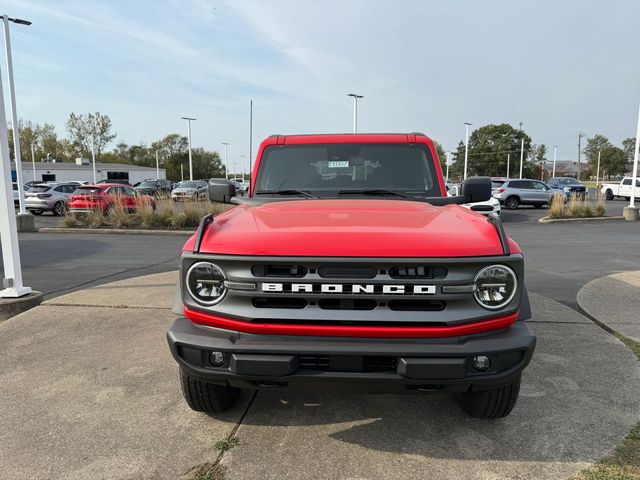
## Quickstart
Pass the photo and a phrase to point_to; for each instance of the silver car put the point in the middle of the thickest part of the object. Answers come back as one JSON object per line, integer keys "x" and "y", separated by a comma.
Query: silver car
{"x": 513, "y": 193}
{"x": 49, "y": 197}
{"x": 190, "y": 190}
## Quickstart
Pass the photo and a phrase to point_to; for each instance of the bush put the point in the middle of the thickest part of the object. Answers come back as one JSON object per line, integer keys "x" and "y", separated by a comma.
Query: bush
{"x": 575, "y": 208}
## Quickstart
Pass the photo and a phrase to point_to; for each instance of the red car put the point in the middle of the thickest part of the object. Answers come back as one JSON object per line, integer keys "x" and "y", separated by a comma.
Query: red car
{"x": 105, "y": 197}
{"x": 349, "y": 267}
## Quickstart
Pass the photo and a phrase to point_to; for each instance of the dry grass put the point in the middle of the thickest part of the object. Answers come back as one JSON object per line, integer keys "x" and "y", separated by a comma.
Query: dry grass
{"x": 576, "y": 208}
{"x": 164, "y": 215}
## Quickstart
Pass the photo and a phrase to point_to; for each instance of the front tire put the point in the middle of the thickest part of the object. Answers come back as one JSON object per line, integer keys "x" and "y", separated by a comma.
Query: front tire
{"x": 59, "y": 209}
{"x": 206, "y": 397}
{"x": 493, "y": 403}
{"x": 608, "y": 195}
{"x": 512, "y": 203}
{"x": 36, "y": 212}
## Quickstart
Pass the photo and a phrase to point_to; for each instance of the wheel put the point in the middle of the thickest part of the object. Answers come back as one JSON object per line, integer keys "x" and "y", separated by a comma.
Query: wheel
{"x": 36, "y": 212}
{"x": 494, "y": 403}
{"x": 512, "y": 203}
{"x": 59, "y": 209}
{"x": 206, "y": 397}
{"x": 608, "y": 194}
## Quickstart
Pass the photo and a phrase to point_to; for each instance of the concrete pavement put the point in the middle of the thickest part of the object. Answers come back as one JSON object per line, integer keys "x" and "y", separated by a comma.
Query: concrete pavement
{"x": 614, "y": 302}
{"x": 89, "y": 390}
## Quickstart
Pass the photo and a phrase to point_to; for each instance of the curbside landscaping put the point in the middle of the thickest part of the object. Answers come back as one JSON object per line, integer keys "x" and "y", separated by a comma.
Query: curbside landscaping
{"x": 548, "y": 219}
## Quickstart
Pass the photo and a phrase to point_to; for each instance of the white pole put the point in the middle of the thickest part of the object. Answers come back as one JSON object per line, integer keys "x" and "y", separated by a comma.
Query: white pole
{"x": 508, "y": 161}
{"x": 355, "y": 114}
{"x": 446, "y": 157}
{"x": 226, "y": 163}
{"x": 466, "y": 149}
{"x": 635, "y": 165}
{"x": 598, "y": 171}
{"x": 93, "y": 160}
{"x": 14, "y": 116}
{"x": 190, "y": 160}
{"x": 555, "y": 155}
{"x": 181, "y": 172}
{"x": 33, "y": 161}
{"x": 157, "y": 166}
{"x": 12, "y": 282}
{"x": 521, "y": 155}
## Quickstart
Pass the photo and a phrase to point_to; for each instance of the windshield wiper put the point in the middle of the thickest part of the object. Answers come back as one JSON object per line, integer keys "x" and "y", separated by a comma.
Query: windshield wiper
{"x": 286, "y": 192}
{"x": 371, "y": 191}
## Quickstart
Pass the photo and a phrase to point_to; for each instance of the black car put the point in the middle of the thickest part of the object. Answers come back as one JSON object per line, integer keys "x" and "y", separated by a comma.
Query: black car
{"x": 154, "y": 187}
{"x": 568, "y": 186}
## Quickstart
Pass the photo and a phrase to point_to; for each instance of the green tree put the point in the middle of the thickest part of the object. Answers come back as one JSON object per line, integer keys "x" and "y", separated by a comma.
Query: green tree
{"x": 595, "y": 144}
{"x": 206, "y": 165}
{"x": 613, "y": 161}
{"x": 488, "y": 149}
{"x": 629, "y": 145}
{"x": 89, "y": 130}
{"x": 442, "y": 156}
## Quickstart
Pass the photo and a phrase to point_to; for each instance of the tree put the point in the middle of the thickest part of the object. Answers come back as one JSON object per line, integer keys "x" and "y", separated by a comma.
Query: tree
{"x": 613, "y": 161}
{"x": 89, "y": 130}
{"x": 595, "y": 144}
{"x": 488, "y": 149}
{"x": 629, "y": 145}
{"x": 442, "y": 156}
{"x": 205, "y": 164}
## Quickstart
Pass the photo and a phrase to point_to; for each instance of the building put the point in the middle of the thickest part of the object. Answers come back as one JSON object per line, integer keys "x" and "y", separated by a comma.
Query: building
{"x": 82, "y": 171}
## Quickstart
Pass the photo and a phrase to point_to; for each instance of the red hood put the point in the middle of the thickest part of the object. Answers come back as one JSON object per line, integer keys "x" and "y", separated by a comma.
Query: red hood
{"x": 351, "y": 228}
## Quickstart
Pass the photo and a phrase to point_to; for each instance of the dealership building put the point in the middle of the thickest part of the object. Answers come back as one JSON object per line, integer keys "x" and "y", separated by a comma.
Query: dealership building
{"x": 81, "y": 171}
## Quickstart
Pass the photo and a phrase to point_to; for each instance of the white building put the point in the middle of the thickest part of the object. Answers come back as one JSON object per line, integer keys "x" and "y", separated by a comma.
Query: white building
{"x": 82, "y": 171}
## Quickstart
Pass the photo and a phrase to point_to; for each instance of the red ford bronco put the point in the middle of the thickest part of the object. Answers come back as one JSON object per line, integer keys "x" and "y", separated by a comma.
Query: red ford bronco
{"x": 348, "y": 267}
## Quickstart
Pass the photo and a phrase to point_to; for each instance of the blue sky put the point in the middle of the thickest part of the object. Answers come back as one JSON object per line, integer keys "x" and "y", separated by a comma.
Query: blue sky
{"x": 560, "y": 67}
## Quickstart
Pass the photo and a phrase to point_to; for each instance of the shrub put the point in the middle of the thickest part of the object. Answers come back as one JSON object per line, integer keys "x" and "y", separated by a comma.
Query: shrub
{"x": 600, "y": 208}
{"x": 575, "y": 208}
{"x": 557, "y": 206}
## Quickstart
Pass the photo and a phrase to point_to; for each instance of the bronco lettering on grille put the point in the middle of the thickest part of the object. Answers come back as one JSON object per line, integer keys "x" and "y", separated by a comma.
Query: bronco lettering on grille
{"x": 371, "y": 289}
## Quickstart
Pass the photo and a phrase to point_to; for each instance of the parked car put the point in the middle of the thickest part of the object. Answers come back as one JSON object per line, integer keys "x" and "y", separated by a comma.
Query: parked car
{"x": 622, "y": 189}
{"x": 568, "y": 186}
{"x": 48, "y": 197}
{"x": 513, "y": 193}
{"x": 114, "y": 180}
{"x": 190, "y": 190}
{"x": 104, "y": 197}
{"x": 154, "y": 187}
{"x": 486, "y": 208}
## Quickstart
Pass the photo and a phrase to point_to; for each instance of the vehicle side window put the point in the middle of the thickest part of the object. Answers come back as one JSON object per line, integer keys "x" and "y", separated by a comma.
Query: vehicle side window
{"x": 527, "y": 185}
{"x": 515, "y": 184}
{"x": 129, "y": 191}
{"x": 115, "y": 191}
{"x": 60, "y": 189}
{"x": 539, "y": 186}
{"x": 626, "y": 181}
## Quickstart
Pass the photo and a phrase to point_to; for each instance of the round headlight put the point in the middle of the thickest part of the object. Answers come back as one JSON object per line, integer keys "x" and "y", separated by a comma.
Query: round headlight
{"x": 567, "y": 189}
{"x": 495, "y": 286}
{"x": 205, "y": 282}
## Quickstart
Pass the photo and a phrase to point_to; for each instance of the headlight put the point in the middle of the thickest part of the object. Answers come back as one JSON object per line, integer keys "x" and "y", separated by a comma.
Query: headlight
{"x": 495, "y": 286}
{"x": 205, "y": 283}
{"x": 567, "y": 189}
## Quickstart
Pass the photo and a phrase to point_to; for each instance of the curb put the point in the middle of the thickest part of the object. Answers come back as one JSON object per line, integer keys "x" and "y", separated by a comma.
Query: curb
{"x": 584, "y": 219}
{"x": 115, "y": 231}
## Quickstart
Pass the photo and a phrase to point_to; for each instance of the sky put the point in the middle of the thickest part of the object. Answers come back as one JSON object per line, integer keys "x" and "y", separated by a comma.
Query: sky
{"x": 559, "y": 67}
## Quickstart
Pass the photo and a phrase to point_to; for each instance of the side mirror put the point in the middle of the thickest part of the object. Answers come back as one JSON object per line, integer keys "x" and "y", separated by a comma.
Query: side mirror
{"x": 477, "y": 189}
{"x": 221, "y": 190}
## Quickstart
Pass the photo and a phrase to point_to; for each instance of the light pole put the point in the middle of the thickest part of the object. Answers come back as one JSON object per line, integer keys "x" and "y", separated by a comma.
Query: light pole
{"x": 93, "y": 159}
{"x": 14, "y": 112}
{"x": 355, "y": 110}
{"x": 33, "y": 161}
{"x": 226, "y": 164}
{"x": 508, "y": 162}
{"x": 521, "y": 155}
{"x": 598, "y": 170}
{"x": 555, "y": 155}
{"x": 157, "y": 166}
{"x": 634, "y": 175}
{"x": 189, "y": 119}
{"x": 580, "y": 135}
{"x": 466, "y": 149}
{"x": 12, "y": 280}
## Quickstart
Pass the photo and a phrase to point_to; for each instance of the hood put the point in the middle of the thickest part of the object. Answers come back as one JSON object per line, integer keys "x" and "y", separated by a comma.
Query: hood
{"x": 351, "y": 228}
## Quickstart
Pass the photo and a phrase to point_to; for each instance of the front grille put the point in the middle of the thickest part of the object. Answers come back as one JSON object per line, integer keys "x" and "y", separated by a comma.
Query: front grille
{"x": 287, "y": 271}
{"x": 347, "y": 304}
{"x": 417, "y": 271}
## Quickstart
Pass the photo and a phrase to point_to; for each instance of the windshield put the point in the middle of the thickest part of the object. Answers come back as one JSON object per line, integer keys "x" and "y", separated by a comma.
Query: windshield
{"x": 39, "y": 188}
{"x": 150, "y": 183}
{"x": 497, "y": 183}
{"x": 333, "y": 169}
{"x": 87, "y": 190}
{"x": 569, "y": 181}
{"x": 189, "y": 184}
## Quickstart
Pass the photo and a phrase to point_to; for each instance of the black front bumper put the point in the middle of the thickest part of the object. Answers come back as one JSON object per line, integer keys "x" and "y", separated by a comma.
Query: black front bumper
{"x": 351, "y": 364}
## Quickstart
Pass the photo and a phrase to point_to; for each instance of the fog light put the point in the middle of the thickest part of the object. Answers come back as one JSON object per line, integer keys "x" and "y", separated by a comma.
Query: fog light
{"x": 481, "y": 363}
{"x": 216, "y": 359}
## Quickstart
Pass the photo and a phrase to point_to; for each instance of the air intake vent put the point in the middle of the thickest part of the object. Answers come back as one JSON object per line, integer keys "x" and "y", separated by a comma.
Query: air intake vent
{"x": 287, "y": 271}
{"x": 279, "y": 302}
{"x": 342, "y": 271}
{"x": 417, "y": 272}
{"x": 416, "y": 305}
{"x": 347, "y": 304}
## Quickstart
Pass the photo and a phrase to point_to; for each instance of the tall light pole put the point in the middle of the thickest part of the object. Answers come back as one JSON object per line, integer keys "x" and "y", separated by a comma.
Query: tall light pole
{"x": 466, "y": 149}
{"x": 14, "y": 111}
{"x": 189, "y": 119}
{"x": 226, "y": 164}
{"x": 508, "y": 162}
{"x": 157, "y": 166}
{"x": 33, "y": 161}
{"x": 355, "y": 110}
{"x": 555, "y": 155}
{"x": 521, "y": 155}
{"x": 634, "y": 174}
{"x": 580, "y": 135}
{"x": 12, "y": 280}
{"x": 93, "y": 159}
{"x": 598, "y": 170}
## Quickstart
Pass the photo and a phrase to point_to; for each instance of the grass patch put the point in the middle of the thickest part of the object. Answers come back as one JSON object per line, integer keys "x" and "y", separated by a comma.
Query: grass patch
{"x": 576, "y": 208}
{"x": 208, "y": 471}
{"x": 226, "y": 444}
{"x": 164, "y": 215}
{"x": 624, "y": 462}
